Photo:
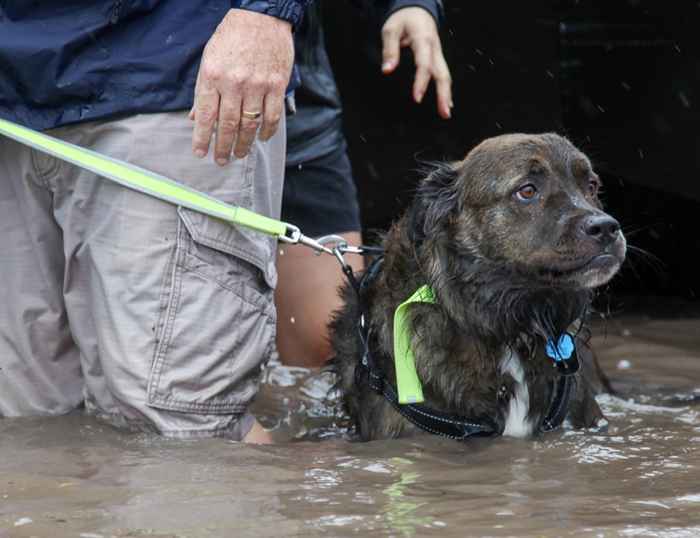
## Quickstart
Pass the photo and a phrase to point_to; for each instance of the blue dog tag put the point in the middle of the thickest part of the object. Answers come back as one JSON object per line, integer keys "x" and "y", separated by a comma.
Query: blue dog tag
{"x": 563, "y": 350}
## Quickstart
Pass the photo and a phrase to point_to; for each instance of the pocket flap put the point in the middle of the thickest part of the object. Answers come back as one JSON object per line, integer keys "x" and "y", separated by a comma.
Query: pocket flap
{"x": 249, "y": 245}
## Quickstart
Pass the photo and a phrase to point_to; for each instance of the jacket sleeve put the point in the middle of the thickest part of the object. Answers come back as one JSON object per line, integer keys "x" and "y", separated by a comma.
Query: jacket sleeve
{"x": 288, "y": 10}
{"x": 434, "y": 7}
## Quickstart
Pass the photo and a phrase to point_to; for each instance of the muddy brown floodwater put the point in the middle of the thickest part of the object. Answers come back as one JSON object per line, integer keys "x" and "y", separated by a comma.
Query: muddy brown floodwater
{"x": 75, "y": 477}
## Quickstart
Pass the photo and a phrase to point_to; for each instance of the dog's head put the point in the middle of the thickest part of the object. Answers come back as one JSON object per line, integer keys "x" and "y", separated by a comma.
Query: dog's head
{"x": 529, "y": 203}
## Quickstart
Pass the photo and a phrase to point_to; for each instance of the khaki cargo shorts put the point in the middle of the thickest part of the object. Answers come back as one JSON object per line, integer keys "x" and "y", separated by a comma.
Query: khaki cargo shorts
{"x": 153, "y": 316}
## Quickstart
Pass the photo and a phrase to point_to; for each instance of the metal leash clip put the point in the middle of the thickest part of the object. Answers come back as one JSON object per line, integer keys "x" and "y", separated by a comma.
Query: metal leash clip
{"x": 340, "y": 247}
{"x": 293, "y": 236}
{"x": 335, "y": 245}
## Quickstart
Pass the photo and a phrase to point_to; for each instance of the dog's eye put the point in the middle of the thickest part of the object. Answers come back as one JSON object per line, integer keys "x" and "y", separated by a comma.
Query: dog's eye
{"x": 527, "y": 192}
{"x": 593, "y": 187}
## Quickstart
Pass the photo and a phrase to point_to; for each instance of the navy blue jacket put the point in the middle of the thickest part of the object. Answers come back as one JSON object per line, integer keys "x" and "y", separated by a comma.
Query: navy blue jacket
{"x": 77, "y": 60}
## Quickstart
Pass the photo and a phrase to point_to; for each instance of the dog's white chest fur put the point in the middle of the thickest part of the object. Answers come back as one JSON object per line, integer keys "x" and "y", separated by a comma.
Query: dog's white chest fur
{"x": 517, "y": 424}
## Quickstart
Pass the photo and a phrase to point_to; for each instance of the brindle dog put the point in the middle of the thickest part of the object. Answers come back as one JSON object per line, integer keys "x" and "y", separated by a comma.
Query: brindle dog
{"x": 512, "y": 240}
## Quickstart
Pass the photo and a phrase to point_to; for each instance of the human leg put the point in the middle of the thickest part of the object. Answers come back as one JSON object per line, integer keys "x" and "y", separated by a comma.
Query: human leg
{"x": 39, "y": 362}
{"x": 306, "y": 296}
{"x": 319, "y": 197}
{"x": 172, "y": 310}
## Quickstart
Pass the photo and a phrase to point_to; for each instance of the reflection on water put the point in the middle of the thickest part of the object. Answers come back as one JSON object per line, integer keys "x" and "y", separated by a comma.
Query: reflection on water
{"x": 73, "y": 476}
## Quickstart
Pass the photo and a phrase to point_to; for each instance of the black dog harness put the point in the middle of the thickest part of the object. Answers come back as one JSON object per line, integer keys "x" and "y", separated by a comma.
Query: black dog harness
{"x": 436, "y": 422}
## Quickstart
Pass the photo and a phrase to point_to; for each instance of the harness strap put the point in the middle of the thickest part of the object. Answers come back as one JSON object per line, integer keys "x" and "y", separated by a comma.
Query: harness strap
{"x": 559, "y": 406}
{"x": 425, "y": 418}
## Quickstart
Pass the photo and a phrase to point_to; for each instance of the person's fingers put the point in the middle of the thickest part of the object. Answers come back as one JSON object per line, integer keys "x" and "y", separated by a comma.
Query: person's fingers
{"x": 391, "y": 47}
{"x": 227, "y": 126}
{"x": 422, "y": 53}
{"x": 443, "y": 86}
{"x": 273, "y": 108}
{"x": 252, "y": 104}
{"x": 206, "y": 111}
{"x": 191, "y": 114}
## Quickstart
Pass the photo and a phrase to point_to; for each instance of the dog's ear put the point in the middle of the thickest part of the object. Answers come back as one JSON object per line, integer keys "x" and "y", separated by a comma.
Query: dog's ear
{"x": 437, "y": 198}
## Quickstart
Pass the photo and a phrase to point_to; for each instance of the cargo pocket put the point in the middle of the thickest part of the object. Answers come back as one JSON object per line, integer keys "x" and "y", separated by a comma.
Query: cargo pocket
{"x": 216, "y": 322}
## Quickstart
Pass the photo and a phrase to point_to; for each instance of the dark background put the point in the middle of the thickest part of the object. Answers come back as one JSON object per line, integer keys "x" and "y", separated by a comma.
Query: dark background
{"x": 621, "y": 79}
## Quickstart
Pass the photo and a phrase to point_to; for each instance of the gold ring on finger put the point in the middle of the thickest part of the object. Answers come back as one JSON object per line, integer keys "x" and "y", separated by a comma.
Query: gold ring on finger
{"x": 251, "y": 115}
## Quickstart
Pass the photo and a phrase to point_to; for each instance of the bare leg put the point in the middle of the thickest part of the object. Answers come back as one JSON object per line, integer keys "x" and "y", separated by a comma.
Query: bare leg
{"x": 306, "y": 296}
{"x": 258, "y": 435}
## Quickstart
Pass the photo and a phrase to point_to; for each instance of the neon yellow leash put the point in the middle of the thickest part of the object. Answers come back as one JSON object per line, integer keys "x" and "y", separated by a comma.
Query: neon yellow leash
{"x": 153, "y": 184}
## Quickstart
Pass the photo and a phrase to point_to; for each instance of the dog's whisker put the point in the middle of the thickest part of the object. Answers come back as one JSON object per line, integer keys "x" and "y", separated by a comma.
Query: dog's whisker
{"x": 651, "y": 260}
{"x": 630, "y": 232}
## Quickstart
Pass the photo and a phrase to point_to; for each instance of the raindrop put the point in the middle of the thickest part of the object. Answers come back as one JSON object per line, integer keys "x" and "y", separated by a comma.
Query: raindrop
{"x": 374, "y": 174}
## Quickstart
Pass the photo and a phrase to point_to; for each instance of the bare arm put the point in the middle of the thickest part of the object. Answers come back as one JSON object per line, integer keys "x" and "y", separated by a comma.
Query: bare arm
{"x": 415, "y": 27}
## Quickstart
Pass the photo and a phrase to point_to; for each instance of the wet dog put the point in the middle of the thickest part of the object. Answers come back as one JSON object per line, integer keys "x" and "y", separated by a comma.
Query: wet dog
{"x": 508, "y": 244}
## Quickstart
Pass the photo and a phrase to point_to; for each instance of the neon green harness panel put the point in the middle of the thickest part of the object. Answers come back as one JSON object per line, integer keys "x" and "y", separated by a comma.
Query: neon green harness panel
{"x": 142, "y": 180}
{"x": 407, "y": 383}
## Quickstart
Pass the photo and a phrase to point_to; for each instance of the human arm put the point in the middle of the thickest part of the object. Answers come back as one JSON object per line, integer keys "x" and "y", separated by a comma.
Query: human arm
{"x": 245, "y": 66}
{"x": 413, "y": 23}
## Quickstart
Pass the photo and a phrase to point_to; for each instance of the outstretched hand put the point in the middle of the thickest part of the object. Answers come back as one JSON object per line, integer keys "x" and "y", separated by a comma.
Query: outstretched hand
{"x": 415, "y": 27}
{"x": 241, "y": 83}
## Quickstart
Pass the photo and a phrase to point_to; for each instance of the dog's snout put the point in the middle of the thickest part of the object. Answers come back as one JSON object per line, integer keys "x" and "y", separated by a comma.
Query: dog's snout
{"x": 602, "y": 228}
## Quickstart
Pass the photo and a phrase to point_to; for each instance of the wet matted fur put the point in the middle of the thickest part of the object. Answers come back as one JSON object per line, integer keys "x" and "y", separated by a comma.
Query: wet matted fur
{"x": 512, "y": 240}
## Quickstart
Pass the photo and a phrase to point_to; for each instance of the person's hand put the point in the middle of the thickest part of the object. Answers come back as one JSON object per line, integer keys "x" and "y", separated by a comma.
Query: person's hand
{"x": 244, "y": 73}
{"x": 415, "y": 27}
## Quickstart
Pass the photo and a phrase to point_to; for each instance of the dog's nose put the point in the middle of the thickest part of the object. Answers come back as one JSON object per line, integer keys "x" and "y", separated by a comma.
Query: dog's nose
{"x": 602, "y": 228}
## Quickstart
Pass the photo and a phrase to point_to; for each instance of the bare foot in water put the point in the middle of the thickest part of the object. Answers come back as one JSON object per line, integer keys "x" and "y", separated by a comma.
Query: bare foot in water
{"x": 258, "y": 435}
